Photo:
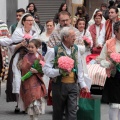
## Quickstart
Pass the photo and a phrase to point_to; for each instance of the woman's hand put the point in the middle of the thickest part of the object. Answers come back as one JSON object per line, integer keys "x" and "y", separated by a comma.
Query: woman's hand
{"x": 23, "y": 43}
{"x": 33, "y": 70}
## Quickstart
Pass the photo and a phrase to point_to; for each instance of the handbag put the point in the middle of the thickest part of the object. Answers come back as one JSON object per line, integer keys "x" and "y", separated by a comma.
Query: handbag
{"x": 89, "y": 108}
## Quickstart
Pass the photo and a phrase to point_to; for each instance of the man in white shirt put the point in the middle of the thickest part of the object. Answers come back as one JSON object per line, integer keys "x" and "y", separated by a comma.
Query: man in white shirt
{"x": 64, "y": 89}
{"x": 107, "y": 30}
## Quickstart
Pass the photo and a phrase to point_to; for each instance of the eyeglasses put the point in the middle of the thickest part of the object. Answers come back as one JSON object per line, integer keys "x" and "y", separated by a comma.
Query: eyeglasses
{"x": 29, "y": 20}
{"x": 64, "y": 20}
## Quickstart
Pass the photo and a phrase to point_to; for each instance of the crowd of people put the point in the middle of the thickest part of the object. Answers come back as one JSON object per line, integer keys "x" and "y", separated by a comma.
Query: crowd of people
{"x": 84, "y": 40}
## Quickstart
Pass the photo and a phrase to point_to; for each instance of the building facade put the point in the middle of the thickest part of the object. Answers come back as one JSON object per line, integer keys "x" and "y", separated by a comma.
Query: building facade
{"x": 46, "y": 8}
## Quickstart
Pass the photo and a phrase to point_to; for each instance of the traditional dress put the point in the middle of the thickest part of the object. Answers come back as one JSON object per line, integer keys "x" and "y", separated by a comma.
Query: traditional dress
{"x": 64, "y": 88}
{"x": 4, "y": 52}
{"x": 95, "y": 32}
{"x": 14, "y": 75}
{"x": 107, "y": 31}
{"x": 78, "y": 41}
{"x": 33, "y": 88}
{"x": 84, "y": 52}
{"x": 55, "y": 36}
{"x": 112, "y": 85}
{"x": 91, "y": 22}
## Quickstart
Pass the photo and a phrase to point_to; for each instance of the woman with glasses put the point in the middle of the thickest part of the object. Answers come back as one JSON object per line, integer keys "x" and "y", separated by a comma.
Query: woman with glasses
{"x": 26, "y": 30}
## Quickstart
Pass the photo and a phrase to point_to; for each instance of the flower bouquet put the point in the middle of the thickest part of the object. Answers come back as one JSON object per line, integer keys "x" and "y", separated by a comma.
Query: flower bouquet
{"x": 115, "y": 58}
{"x": 27, "y": 37}
{"x": 87, "y": 41}
{"x": 66, "y": 65}
{"x": 36, "y": 65}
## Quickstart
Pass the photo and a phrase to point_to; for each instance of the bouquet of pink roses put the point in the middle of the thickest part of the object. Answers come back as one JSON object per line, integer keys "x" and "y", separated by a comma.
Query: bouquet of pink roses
{"x": 86, "y": 40}
{"x": 116, "y": 60}
{"x": 27, "y": 37}
{"x": 65, "y": 64}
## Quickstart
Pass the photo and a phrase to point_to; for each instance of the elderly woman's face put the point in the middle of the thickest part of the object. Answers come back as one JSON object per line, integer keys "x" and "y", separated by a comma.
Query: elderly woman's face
{"x": 28, "y": 22}
{"x": 50, "y": 26}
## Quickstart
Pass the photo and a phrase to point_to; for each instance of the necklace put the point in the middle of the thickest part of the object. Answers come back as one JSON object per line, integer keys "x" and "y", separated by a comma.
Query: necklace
{"x": 27, "y": 31}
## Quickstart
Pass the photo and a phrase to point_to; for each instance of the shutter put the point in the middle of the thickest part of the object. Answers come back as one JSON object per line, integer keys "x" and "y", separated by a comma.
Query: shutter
{"x": 47, "y": 8}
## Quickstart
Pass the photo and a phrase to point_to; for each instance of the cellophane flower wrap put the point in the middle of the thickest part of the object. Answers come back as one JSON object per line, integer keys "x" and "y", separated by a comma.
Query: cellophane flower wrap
{"x": 27, "y": 37}
{"x": 36, "y": 65}
{"x": 86, "y": 40}
{"x": 65, "y": 64}
{"x": 115, "y": 59}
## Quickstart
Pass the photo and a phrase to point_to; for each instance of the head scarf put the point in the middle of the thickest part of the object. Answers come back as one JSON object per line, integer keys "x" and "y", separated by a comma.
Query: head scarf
{"x": 18, "y": 34}
{"x": 35, "y": 27}
{"x": 92, "y": 19}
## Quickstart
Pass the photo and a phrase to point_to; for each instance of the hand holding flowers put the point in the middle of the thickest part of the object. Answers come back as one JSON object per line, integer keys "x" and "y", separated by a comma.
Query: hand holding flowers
{"x": 115, "y": 59}
{"x": 27, "y": 37}
{"x": 86, "y": 40}
{"x": 36, "y": 67}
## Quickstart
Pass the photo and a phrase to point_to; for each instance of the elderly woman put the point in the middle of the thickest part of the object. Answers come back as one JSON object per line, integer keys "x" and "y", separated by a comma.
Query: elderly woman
{"x": 25, "y": 31}
{"x": 44, "y": 37}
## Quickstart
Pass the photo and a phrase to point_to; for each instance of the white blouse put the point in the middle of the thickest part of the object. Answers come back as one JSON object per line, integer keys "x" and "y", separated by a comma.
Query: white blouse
{"x": 51, "y": 72}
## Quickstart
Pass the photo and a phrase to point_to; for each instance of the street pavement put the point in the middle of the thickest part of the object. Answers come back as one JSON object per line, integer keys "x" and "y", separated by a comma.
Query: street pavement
{"x": 7, "y": 109}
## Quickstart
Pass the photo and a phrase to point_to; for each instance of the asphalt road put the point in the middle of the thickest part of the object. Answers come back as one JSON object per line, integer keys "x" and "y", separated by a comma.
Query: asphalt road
{"x": 7, "y": 110}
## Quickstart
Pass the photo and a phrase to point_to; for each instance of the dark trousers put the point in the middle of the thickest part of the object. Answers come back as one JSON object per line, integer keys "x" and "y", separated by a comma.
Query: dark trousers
{"x": 64, "y": 97}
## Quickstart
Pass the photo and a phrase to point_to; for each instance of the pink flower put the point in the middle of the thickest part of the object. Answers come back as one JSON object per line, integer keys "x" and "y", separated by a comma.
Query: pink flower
{"x": 66, "y": 63}
{"x": 27, "y": 36}
{"x": 42, "y": 63}
{"x": 115, "y": 57}
{"x": 86, "y": 39}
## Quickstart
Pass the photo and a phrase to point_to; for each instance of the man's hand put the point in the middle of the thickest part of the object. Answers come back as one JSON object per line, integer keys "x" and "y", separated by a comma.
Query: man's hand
{"x": 85, "y": 89}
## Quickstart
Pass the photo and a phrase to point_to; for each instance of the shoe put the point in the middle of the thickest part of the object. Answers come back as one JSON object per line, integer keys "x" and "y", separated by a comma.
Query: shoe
{"x": 17, "y": 110}
{"x": 24, "y": 112}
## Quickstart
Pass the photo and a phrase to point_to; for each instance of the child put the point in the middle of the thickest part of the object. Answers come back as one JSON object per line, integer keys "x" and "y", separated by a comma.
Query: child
{"x": 33, "y": 88}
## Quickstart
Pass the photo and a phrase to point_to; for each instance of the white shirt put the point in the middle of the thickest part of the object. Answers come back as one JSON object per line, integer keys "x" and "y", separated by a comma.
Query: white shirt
{"x": 52, "y": 72}
{"x": 44, "y": 38}
{"x": 103, "y": 53}
{"x": 5, "y": 41}
{"x": 101, "y": 38}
